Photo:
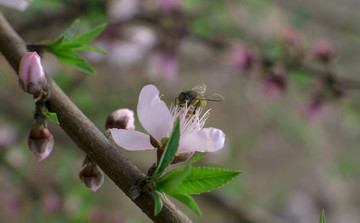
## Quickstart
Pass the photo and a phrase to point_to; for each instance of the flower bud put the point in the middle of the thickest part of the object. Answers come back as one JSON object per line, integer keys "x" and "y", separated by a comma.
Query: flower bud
{"x": 31, "y": 74}
{"x": 91, "y": 176}
{"x": 40, "y": 142}
{"x": 121, "y": 119}
{"x": 240, "y": 58}
{"x": 323, "y": 50}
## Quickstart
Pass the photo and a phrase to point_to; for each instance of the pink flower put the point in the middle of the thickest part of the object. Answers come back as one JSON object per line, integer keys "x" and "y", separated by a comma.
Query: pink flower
{"x": 31, "y": 74}
{"x": 158, "y": 120}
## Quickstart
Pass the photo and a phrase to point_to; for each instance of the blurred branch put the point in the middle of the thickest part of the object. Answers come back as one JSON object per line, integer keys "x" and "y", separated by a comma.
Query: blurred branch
{"x": 242, "y": 216}
{"x": 86, "y": 135}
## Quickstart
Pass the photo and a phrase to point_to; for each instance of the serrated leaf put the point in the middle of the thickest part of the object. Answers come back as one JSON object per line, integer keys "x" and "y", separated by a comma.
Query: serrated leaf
{"x": 322, "y": 217}
{"x": 86, "y": 37}
{"x": 171, "y": 181}
{"x": 52, "y": 117}
{"x": 170, "y": 149}
{"x": 188, "y": 201}
{"x": 196, "y": 158}
{"x": 158, "y": 203}
{"x": 204, "y": 179}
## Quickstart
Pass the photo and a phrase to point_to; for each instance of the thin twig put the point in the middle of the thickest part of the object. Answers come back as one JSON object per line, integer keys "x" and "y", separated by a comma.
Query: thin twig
{"x": 87, "y": 136}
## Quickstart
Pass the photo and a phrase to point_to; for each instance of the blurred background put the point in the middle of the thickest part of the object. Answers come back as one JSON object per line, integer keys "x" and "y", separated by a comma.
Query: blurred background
{"x": 288, "y": 73}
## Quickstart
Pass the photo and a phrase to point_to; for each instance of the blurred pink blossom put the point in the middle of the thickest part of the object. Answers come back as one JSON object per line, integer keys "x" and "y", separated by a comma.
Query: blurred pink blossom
{"x": 240, "y": 59}
{"x": 315, "y": 109}
{"x": 158, "y": 121}
{"x": 52, "y": 202}
{"x": 20, "y": 5}
{"x": 125, "y": 46}
{"x": 169, "y": 5}
{"x": 291, "y": 37}
{"x": 273, "y": 86}
{"x": 122, "y": 10}
{"x": 323, "y": 50}
{"x": 7, "y": 136}
{"x": 163, "y": 65}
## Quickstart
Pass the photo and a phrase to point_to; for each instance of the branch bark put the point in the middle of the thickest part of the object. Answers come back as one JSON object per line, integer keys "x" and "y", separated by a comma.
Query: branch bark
{"x": 87, "y": 136}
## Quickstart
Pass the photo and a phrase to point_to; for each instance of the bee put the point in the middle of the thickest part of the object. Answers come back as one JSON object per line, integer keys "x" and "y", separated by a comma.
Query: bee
{"x": 196, "y": 97}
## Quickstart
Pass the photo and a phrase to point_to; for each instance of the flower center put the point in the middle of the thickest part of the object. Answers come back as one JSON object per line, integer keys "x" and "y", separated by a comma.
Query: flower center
{"x": 190, "y": 120}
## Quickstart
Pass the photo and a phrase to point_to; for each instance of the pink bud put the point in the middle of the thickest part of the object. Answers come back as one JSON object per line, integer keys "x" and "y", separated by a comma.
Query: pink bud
{"x": 31, "y": 74}
{"x": 91, "y": 176}
{"x": 240, "y": 58}
{"x": 40, "y": 142}
{"x": 323, "y": 50}
{"x": 121, "y": 119}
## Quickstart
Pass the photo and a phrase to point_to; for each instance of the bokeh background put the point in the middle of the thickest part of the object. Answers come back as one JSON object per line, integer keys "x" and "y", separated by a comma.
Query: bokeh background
{"x": 298, "y": 153}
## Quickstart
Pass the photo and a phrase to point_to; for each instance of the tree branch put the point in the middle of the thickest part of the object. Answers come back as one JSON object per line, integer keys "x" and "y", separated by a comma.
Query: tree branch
{"x": 85, "y": 134}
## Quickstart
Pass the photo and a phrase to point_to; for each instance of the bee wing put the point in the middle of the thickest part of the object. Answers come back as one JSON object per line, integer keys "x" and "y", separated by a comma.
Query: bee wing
{"x": 214, "y": 97}
{"x": 200, "y": 88}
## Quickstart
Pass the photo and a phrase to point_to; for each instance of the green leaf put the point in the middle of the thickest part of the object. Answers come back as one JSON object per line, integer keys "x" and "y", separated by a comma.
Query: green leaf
{"x": 158, "y": 203}
{"x": 188, "y": 201}
{"x": 55, "y": 45}
{"x": 170, "y": 149}
{"x": 203, "y": 179}
{"x": 87, "y": 37}
{"x": 52, "y": 117}
{"x": 69, "y": 58}
{"x": 322, "y": 217}
{"x": 89, "y": 48}
{"x": 69, "y": 32}
{"x": 172, "y": 180}
{"x": 86, "y": 67}
{"x": 196, "y": 158}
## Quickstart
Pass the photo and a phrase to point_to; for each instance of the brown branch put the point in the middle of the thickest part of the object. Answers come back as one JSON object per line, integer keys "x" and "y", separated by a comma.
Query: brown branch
{"x": 86, "y": 135}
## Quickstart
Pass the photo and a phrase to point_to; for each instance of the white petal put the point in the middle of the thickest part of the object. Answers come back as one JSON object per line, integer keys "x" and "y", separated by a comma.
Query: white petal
{"x": 204, "y": 140}
{"x": 153, "y": 113}
{"x": 131, "y": 139}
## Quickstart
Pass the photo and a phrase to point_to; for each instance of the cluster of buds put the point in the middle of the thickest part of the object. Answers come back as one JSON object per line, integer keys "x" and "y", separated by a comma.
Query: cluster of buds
{"x": 33, "y": 81}
{"x": 91, "y": 176}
